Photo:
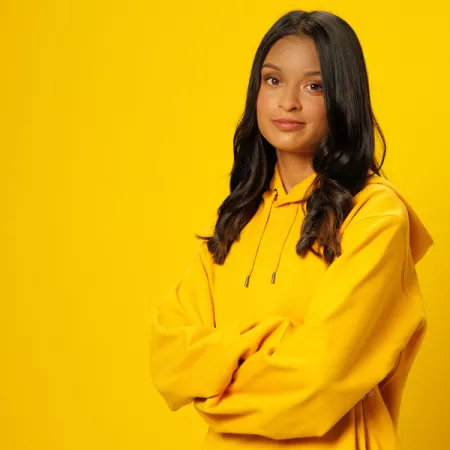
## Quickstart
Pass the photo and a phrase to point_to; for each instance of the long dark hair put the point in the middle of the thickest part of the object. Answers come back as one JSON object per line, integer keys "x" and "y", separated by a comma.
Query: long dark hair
{"x": 341, "y": 161}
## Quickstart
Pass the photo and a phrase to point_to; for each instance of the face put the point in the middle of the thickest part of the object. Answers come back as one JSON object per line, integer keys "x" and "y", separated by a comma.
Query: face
{"x": 291, "y": 87}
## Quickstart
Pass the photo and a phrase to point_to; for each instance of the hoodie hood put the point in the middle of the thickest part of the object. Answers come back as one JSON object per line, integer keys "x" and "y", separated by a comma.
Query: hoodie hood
{"x": 276, "y": 196}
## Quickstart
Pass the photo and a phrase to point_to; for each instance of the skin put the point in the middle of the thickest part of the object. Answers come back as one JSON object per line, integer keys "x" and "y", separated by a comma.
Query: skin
{"x": 291, "y": 92}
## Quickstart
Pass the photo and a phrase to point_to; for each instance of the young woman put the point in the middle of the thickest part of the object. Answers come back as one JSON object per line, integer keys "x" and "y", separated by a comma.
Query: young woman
{"x": 298, "y": 320}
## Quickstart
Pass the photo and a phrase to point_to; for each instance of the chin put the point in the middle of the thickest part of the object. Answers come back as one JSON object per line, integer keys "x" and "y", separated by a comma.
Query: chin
{"x": 294, "y": 146}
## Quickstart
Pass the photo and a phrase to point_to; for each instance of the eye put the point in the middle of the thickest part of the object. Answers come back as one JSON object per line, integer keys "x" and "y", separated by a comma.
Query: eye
{"x": 270, "y": 77}
{"x": 319, "y": 85}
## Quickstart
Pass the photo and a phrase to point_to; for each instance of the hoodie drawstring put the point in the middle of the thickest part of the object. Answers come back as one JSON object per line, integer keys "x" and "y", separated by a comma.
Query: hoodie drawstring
{"x": 284, "y": 242}
{"x": 247, "y": 278}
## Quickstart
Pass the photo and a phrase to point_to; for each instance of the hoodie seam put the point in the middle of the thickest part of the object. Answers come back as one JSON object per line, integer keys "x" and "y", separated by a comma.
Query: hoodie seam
{"x": 406, "y": 252}
{"x": 374, "y": 216}
{"x": 414, "y": 299}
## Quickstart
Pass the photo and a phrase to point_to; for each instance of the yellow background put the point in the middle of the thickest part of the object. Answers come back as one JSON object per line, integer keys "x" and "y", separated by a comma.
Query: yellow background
{"x": 116, "y": 140}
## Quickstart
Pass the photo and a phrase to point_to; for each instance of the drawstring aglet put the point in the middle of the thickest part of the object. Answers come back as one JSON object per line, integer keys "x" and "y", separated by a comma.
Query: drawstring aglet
{"x": 273, "y": 277}
{"x": 247, "y": 278}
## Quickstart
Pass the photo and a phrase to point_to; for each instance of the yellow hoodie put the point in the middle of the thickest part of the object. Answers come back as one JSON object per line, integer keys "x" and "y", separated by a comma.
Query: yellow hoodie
{"x": 278, "y": 351}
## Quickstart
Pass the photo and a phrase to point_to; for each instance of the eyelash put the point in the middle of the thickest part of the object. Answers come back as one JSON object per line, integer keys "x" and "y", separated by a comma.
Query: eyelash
{"x": 268, "y": 77}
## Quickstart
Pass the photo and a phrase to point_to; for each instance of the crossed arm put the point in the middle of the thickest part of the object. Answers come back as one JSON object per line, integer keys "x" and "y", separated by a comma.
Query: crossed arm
{"x": 304, "y": 378}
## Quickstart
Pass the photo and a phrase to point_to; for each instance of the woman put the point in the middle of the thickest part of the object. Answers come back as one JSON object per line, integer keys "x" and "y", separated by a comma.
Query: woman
{"x": 298, "y": 320}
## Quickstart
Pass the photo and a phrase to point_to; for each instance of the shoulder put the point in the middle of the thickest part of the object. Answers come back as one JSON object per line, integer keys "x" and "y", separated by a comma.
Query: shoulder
{"x": 378, "y": 199}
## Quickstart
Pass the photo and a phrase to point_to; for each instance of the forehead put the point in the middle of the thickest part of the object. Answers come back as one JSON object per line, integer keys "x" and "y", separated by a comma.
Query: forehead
{"x": 294, "y": 54}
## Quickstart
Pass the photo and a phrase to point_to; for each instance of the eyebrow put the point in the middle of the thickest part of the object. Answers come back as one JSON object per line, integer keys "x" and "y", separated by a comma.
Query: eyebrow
{"x": 307, "y": 73}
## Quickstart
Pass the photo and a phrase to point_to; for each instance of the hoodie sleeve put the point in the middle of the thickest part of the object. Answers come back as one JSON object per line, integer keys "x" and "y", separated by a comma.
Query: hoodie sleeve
{"x": 361, "y": 317}
{"x": 189, "y": 356}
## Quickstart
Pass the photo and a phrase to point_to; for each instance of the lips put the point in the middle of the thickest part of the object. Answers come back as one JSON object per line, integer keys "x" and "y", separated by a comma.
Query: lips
{"x": 287, "y": 121}
{"x": 288, "y": 124}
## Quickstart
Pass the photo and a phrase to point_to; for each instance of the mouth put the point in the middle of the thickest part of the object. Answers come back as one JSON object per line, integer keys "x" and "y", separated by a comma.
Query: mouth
{"x": 288, "y": 124}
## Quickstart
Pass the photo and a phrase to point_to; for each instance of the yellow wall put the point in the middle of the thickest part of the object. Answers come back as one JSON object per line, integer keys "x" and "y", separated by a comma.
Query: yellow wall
{"x": 115, "y": 141}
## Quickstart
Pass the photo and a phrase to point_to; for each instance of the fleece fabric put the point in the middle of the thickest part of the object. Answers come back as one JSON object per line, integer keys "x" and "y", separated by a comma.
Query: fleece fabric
{"x": 278, "y": 351}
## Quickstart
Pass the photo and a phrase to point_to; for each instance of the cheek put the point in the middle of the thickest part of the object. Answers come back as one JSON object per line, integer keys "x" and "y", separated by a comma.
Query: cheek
{"x": 315, "y": 108}
{"x": 262, "y": 111}
{"x": 262, "y": 103}
{"x": 317, "y": 115}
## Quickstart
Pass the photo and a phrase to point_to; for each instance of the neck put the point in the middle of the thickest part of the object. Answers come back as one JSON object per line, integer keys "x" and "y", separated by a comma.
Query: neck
{"x": 293, "y": 168}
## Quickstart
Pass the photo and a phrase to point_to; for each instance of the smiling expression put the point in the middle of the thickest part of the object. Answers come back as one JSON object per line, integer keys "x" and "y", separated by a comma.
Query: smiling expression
{"x": 291, "y": 87}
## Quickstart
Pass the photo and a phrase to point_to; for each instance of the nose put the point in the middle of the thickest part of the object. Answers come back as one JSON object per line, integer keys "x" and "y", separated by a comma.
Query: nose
{"x": 290, "y": 99}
